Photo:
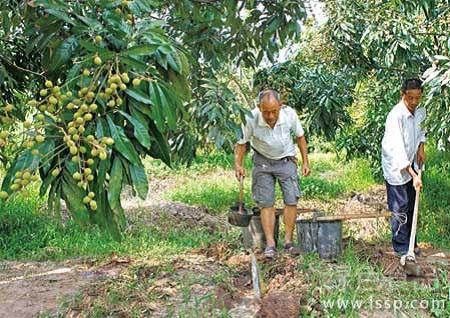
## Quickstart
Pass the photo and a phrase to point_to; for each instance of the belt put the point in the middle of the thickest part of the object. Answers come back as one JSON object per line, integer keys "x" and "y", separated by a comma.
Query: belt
{"x": 287, "y": 158}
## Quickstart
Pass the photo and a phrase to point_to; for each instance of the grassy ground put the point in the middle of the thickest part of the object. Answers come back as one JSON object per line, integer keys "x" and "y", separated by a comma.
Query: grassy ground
{"x": 354, "y": 285}
{"x": 24, "y": 218}
{"x": 28, "y": 233}
{"x": 328, "y": 180}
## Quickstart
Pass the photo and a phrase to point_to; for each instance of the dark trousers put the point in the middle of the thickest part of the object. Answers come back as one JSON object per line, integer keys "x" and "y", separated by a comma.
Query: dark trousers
{"x": 401, "y": 200}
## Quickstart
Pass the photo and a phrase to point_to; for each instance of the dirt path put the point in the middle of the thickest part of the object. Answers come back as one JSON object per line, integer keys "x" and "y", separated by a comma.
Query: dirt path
{"x": 30, "y": 288}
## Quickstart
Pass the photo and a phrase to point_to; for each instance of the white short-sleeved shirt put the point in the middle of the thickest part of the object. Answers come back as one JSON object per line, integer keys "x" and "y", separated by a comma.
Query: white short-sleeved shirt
{"x": 273, "y": 143}
{"x": 402, "y": 137}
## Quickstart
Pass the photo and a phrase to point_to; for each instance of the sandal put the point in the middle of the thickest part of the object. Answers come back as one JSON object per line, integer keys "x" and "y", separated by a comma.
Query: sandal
{"x": 270, "y": 252}
{"x": 291, "y": 249}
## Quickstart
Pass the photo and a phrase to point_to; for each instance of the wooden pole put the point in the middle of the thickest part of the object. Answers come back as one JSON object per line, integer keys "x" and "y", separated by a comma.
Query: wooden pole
{"x": 412, "y": 238}
{"x": 279, "y": 211}
{"x": 343, "y": 217}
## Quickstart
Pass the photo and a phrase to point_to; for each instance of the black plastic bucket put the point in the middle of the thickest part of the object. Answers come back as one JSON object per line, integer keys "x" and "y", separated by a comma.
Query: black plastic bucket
{"x": 323, "y": 237}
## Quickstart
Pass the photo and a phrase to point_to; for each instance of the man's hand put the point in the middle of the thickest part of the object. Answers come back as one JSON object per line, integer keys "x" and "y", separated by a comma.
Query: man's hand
{"x": 417, "y": 183}
{"x": 305, "y": 170}
{"x": 239, "y": 172}
{"x": 421, "y": 156}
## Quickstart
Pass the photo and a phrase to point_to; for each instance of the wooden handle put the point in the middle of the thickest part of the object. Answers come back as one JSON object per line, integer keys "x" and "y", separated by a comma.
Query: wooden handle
{"x": 241, "y": 193}
{"x": 343, "y": 217}
{"x": 412, "y": 238}
{"x": 299, "y": 210}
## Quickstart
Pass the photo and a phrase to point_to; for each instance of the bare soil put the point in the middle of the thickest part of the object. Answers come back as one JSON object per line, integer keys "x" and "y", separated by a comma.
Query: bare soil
{"x": 28, "y": 289}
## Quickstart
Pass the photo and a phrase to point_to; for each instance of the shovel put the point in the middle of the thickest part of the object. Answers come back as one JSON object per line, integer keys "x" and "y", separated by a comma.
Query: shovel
{"x": 257, "y": 290}
{"x": 410, "y": 256}
{"x": 239, "y": 215}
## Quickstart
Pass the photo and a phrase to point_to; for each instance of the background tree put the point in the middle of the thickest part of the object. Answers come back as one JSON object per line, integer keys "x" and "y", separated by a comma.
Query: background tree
{"x": 348, "y": 72}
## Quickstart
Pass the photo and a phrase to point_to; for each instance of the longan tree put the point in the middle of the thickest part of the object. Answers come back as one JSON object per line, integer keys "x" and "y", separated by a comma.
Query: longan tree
{"x": 119, "y": 80}
{"x": 111, "y": 101}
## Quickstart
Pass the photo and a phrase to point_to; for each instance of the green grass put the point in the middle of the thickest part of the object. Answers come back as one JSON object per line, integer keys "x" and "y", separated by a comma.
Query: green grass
{"x": 434, "y": 217}
{"x": 329, "y": 179}
{"x": 29, "y": 233}
{"x": 203, "y": 163}
{"x": 216, "y": 194}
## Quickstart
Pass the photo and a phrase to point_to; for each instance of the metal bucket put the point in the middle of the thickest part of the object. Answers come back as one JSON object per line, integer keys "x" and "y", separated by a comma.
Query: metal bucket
{"x": 253, "y": 235}
{"x": 323, "y": 237}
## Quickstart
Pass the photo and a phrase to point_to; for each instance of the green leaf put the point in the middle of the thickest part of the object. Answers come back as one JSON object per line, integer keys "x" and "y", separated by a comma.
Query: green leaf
{"x": 136, "y": 64}
{"x": 140, "y": 181}
{"x": 139, "y": 96}
{"x": 122, "y": 143}
{"x": 117, "y": 25}
{"x": 180, "y": 84}
{"x": 74, "y": 72}
{"x": 145, "y": 49}
{"x": 73, "y": 195}
{"x": 115, "y": 183}
{"x": 140, "y": 132}
{"x": 6, "y": 22}
{"x": 46, "y": 147}
{"x": 136, "y": 112}
{"x": 71, "y": 167}
{"x": 61, "y": 15}
{"x": 119, "y": 216}
{"x": 161, "y": 59}
{"x": 63, "y": 53}
{"x": 51, "y": 4}
{"x": 174, "y": 61}
{"x": 103, "y": 53}
{"x": 157, "y": 109}
{"x": 88, "y": 46}
{"x": 54, "y": 200}
{"x": 103, "y": 167}
{"x": 92, "y": 23}
{"x": 139, "y": 7}
{"x": 160, "y": 147}
{"x": 171, "y": 102}
{"x": 31, "y": 45}
{"x": 48, "y": 180}
{"x": 102, "y": 128}
{"x": 164, "y": 104}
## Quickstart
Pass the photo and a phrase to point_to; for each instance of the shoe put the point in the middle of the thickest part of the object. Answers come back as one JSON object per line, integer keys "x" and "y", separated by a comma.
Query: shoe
{"x": 270, "y": 252}
{"x": 417, "y": 251}
{"x": 291, "y": 249}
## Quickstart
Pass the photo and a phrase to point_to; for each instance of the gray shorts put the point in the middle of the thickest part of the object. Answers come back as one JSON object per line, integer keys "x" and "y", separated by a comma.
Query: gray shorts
{"x": 266, "y": 172}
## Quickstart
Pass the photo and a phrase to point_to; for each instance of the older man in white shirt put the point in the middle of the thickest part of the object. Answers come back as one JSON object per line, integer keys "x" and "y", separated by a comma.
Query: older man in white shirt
{"x": 402, "y": 151}
{"x": 270, "y": 131}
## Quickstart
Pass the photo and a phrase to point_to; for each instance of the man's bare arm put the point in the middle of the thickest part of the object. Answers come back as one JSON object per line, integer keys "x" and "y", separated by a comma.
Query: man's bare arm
{"x": 239, "y": 154}
{"x": 303, "y": 146}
